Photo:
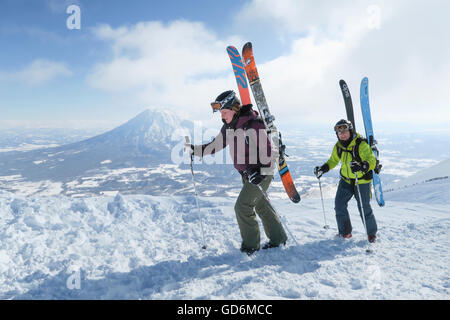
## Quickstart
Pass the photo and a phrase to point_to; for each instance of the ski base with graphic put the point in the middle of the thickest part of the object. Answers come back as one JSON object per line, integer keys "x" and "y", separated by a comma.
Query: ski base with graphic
{"x": 239, "y": 73}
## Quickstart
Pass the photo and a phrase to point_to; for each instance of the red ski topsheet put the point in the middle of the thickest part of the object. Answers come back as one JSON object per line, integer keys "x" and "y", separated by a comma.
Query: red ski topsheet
{"x": 249, "y": 62}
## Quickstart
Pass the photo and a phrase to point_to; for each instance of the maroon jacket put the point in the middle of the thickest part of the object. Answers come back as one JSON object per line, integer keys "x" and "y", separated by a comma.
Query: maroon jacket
{"x": 250, "y": 147}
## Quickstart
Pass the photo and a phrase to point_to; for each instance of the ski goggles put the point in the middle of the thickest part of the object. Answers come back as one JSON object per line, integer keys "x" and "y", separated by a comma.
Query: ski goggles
{"x": 224, "y": 104}
{"x": 341, "y": 128}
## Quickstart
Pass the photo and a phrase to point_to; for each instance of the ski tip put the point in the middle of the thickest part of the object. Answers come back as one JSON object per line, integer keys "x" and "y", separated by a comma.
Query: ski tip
{"x": 341, "y": 82}
{"x": 365, "y": 80}
{"x": 247, "y": 46}
{"x": 296, "y": 198}
{"x": 232, "y": 52}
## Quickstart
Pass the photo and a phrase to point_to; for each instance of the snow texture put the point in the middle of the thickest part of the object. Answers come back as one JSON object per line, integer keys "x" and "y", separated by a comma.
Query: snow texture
{"x": 129, "y": 246}
{"x": 147, "y": 247}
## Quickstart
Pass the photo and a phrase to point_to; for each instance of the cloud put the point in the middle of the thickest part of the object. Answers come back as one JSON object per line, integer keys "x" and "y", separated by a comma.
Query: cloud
{"x": 177, "y": 65}
{"x": 401, "y": 46}
{"x": 326, "y": 18}
{"x": 38, "y": 73}
{"x": 303, "y": 83}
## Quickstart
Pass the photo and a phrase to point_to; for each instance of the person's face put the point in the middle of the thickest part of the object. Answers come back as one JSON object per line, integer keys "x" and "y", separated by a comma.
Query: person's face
{"x": 227, "y": 115}
{"x": 344, "y": 135}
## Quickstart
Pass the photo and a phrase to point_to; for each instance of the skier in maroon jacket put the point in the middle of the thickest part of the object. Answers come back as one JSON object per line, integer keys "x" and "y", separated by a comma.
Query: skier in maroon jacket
{"x": 251, "y": 151}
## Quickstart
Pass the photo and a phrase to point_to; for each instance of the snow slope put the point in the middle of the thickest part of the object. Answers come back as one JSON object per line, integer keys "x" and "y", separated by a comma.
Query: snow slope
{"x": 437, "y": 172}
{"x": 146, "y": 247}
{"x": 429, "y": 185}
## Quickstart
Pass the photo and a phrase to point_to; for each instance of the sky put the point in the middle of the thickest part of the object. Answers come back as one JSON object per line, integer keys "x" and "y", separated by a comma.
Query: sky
{"x": 128, "y": 56}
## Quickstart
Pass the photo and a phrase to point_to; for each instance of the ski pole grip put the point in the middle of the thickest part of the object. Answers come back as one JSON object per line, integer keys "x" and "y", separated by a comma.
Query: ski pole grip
{"x": 188, "y": 141}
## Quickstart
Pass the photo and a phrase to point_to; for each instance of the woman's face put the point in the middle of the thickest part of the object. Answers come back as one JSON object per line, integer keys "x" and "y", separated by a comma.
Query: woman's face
{"x": 227, "y": 115}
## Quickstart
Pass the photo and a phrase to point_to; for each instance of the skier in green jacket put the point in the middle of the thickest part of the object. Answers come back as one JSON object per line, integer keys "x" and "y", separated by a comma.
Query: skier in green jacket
{"x": 356, "y": 157}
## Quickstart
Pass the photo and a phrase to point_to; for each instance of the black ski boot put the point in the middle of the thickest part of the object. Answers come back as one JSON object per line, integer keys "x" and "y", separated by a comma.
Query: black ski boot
{"x": 269, "y": 245}
{"x": 249, "y": 251}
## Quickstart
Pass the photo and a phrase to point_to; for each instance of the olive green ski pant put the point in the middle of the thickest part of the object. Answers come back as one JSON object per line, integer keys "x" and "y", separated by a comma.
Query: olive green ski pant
{"x": 250, "y": 200}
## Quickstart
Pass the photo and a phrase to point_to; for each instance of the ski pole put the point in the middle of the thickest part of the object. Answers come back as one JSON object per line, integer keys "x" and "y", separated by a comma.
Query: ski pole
{"x": 326, "y": 226}
{"x": 362, "y": 211}
{"x": 264, "y": 193}
{"x": 196, "y": 195}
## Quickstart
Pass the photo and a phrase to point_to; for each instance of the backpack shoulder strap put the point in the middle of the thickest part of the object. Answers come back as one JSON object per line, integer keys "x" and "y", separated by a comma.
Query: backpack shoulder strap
{"x": 339, "y": 151}
{"x": 247, "y": 125}
{"x": 355, "y": 152}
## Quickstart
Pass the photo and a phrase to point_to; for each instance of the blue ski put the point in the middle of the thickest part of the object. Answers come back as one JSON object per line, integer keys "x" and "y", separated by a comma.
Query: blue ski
{"x": 365, "y": 109}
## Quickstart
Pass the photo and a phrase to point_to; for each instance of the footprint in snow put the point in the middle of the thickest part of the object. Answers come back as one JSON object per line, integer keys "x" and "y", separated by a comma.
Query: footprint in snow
{"x": 328, "y": 283}
{"x": 356, "y": 284}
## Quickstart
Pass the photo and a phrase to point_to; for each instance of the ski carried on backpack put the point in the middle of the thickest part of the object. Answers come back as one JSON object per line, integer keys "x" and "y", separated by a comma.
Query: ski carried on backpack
{"x": 239, "y": 73}
{"x": 258, "y": 93}
{"x": 365, "y": 109}
{"x": 348, "y": 103}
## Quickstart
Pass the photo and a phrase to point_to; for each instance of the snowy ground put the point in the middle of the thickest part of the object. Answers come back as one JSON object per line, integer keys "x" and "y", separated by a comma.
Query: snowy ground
{"x": 145, "y": 247}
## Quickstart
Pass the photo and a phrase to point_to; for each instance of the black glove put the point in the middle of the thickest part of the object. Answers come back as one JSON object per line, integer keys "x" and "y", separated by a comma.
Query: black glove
{"x": 189, "y": 149}
{"x": 377, "y": 169}
{"x": 192, "y": 150}
{"x": 356, "y": 166}
{"x": 319, "y": 171}
{"x": 255, "y": 177}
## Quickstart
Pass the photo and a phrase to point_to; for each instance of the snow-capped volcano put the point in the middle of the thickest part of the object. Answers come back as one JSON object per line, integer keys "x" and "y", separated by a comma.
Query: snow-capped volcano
{"x": 133, "y": 148}
{"x": 148, "y": 131}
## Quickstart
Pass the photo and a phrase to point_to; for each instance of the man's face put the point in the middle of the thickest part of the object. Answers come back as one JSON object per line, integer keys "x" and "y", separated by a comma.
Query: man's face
{"x": 227, "y": 115}
{"x": 344, "y": 135}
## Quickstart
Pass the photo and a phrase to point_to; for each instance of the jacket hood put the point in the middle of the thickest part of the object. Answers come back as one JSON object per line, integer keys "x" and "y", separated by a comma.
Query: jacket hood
{"x": 243, "y": 119}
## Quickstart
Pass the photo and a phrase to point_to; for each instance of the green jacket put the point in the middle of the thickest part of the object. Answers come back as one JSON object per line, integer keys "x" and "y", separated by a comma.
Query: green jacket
{"x": 365, "y": 153}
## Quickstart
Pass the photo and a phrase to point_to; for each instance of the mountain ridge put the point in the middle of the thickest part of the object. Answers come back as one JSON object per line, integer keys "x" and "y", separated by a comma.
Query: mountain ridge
{"x": 144, "y": 140}
{"x": 438, "y": 171}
